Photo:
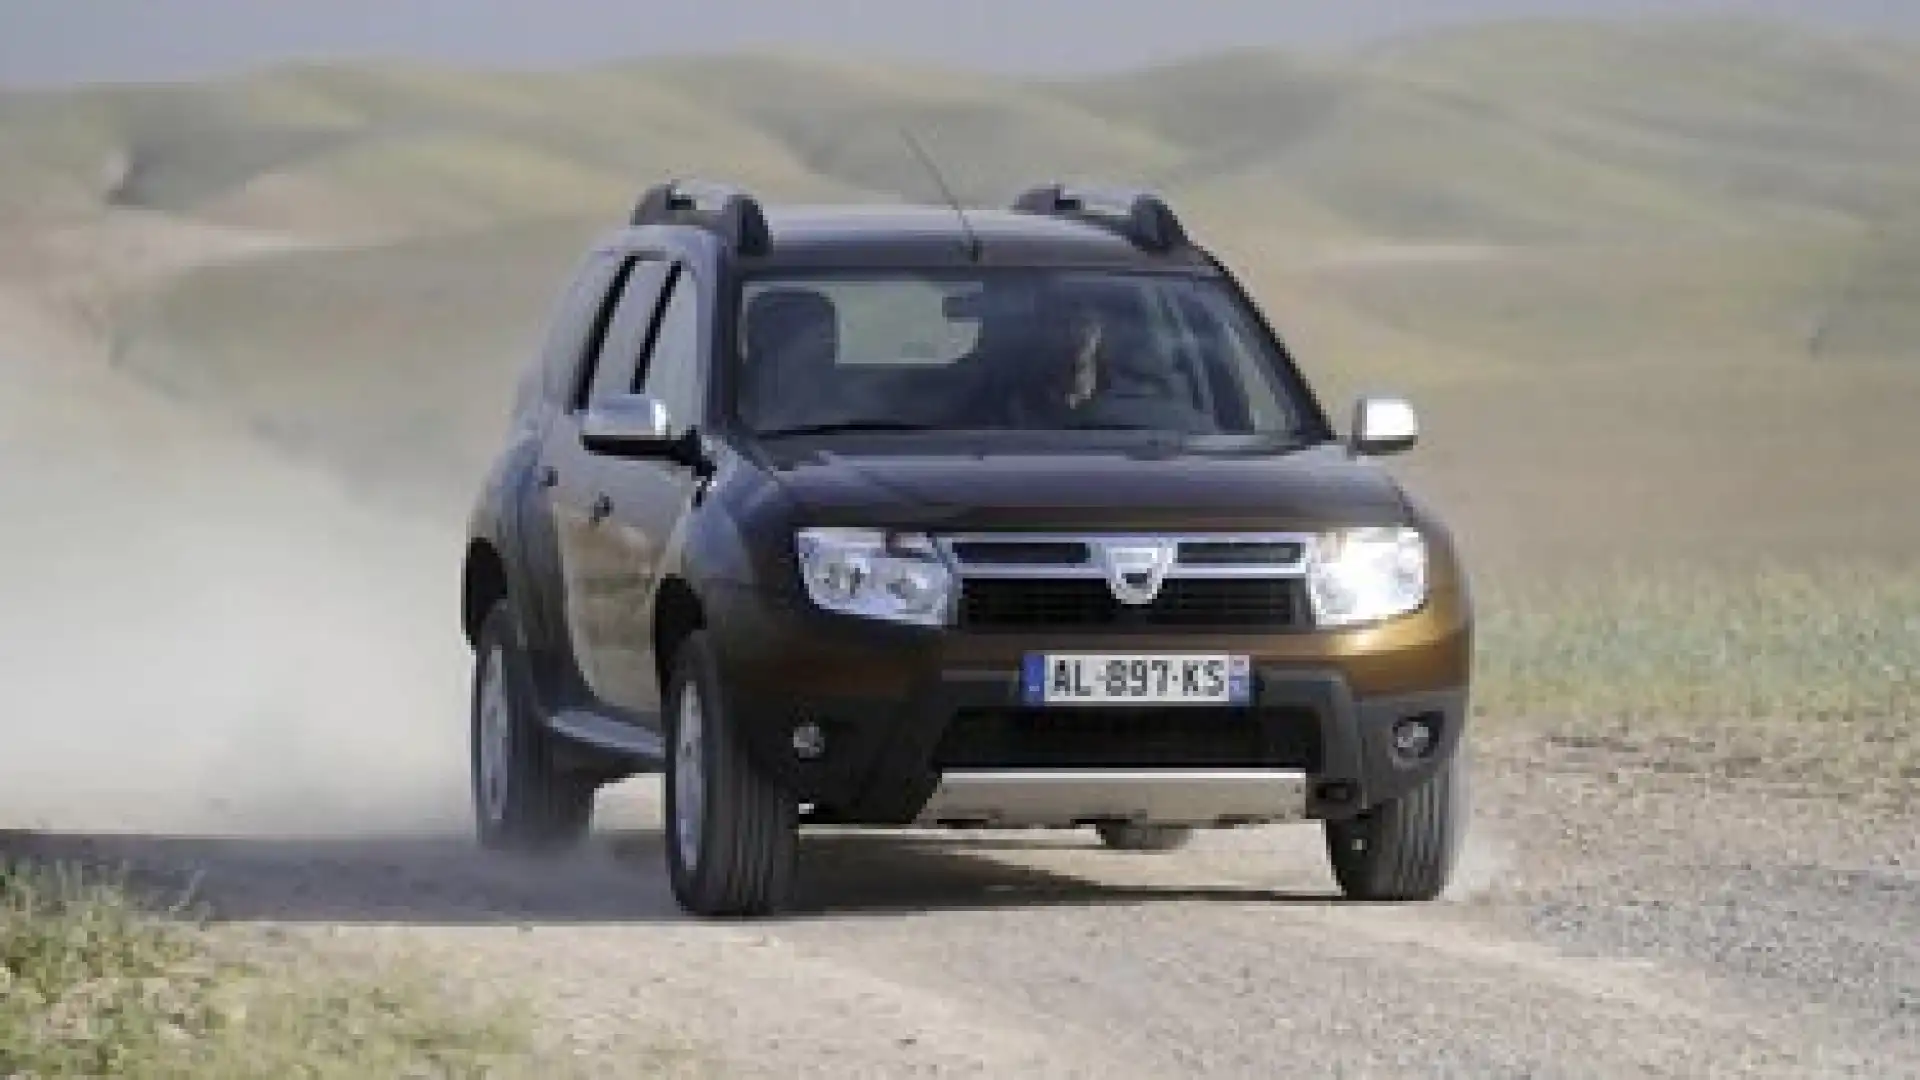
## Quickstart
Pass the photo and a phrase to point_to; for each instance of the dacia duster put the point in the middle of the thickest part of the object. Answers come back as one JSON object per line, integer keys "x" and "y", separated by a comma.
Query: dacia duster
{"x": 940, "y": 517}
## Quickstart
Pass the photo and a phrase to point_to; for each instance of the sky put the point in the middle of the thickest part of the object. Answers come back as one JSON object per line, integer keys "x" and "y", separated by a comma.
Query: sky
{"x": 51, "y": 42}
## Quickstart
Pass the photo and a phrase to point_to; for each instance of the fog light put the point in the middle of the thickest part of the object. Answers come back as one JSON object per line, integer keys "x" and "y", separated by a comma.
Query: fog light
{"x": 809, "y": 741}
{"x": 1413, "y": 738}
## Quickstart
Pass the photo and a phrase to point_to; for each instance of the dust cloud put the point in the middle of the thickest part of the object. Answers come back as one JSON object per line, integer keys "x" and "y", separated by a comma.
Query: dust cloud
{"x": 199, "y": 636}
{"x": 245, "y": 679}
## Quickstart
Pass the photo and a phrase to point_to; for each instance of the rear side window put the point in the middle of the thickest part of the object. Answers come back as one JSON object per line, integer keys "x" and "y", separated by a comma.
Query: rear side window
{"x": 622, "y": 331}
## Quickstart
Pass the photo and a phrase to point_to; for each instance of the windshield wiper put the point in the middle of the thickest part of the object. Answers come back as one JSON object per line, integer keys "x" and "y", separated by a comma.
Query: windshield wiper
{"x": 848, "y": 426}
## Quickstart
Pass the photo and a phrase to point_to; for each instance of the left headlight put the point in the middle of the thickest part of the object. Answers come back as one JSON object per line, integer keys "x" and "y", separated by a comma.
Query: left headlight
{"x": 876, "y": 575}
{"x": 1366, "y": 575}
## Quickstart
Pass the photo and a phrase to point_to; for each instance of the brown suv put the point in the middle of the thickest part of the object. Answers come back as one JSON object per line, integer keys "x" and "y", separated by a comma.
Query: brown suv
{"x": 898, "y": 516}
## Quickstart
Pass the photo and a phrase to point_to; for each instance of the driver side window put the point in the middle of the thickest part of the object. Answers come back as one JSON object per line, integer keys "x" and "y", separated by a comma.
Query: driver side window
{"x": 671, "y": 370}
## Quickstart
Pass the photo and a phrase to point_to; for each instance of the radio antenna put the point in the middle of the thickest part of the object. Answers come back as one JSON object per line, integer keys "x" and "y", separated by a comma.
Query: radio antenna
{"x": 973, "y": 239}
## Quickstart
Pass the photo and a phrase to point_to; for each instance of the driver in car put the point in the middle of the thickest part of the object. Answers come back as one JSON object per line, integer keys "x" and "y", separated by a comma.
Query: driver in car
{"x": 1114, "y": 378}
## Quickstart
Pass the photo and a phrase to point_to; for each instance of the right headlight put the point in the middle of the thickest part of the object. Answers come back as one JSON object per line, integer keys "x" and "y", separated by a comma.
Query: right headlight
{"x": 1366, "y": 575}
{"x": 875, "y": 575}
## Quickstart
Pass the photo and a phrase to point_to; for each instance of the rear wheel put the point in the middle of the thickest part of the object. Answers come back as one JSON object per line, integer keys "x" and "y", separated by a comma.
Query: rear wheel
{"x": 522, "y": 801}
{"x": 732, "y": 833}
{"x": 1404, "y": 850}
{"x": 1125, "y": 836}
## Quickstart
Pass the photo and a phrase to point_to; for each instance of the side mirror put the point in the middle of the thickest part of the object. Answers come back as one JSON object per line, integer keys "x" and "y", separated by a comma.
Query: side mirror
{"x": 1382, "y": 426}
{"x": 632, "y": 425}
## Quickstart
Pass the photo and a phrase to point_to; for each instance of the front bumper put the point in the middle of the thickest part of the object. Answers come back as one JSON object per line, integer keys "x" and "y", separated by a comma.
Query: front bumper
{"x": 928, "y": 727}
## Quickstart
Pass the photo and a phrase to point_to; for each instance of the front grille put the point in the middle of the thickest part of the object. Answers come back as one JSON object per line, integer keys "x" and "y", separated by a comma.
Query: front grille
{"x": 1242, "y": 553}
{"x": 1131, "y": 738}
{"x": 1082, "y": 603}
{"x": 1022, "y": 553}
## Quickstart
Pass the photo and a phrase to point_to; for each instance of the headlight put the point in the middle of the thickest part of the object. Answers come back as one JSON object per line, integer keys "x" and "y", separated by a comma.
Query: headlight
{"x": 1365, "y": 575}
{"x": 874, "y": 574}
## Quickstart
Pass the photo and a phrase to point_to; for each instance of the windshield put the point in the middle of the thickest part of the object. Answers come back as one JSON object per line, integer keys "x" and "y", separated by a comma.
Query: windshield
{"x": 1018, "y": 350}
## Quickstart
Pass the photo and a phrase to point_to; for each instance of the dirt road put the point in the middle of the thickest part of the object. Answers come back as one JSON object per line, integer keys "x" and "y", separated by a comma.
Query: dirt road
{"x": 1601, "y": 930}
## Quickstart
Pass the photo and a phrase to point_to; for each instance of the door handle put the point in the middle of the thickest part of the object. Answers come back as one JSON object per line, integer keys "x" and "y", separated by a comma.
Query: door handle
{"x": 602, "y": 508}
{"x": 548, "y": 476}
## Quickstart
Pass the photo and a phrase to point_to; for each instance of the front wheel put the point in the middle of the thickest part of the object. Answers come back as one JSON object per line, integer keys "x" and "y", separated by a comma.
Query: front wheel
{"x": 1404, "y": 850}
{"x": 732, "y": 833}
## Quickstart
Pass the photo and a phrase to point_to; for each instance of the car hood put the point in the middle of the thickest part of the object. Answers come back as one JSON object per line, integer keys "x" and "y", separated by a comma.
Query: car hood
{"x": 1311, "y": 488}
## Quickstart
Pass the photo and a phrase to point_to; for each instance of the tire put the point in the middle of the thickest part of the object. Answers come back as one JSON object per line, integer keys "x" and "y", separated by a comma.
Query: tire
{"x": 1404, "y": 850}
{"x": 732, "y": 834}
{"x": 521, "y": 801}
{"x": 1121, "y": 836}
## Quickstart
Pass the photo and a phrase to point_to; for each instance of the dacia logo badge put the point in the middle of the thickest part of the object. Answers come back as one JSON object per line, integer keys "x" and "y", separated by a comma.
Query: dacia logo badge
{"x": 1135, "y": 568}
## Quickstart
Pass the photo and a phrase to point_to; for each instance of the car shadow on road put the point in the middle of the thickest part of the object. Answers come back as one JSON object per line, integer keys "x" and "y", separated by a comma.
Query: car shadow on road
{"x": 872, "y": 874}
{"x": 618, "y": 878}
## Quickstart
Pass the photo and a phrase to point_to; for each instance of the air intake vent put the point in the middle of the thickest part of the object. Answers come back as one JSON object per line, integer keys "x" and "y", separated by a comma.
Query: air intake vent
{"x": 1088, "y": 603}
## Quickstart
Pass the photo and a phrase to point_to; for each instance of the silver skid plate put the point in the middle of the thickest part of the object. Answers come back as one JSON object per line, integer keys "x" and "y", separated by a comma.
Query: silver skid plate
{"x": 1064, "y": 798}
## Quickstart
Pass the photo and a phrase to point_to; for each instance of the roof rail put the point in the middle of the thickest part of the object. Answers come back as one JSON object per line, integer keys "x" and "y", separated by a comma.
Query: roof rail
{"x": 1139, "y": 215}
{"x": 731, "y": 212}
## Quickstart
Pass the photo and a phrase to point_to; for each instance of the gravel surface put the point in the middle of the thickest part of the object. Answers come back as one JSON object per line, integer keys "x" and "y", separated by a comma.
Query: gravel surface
{"x": 1598, "y": 930}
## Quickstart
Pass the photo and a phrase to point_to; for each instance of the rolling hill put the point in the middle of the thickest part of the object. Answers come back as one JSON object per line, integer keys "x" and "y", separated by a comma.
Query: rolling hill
{"x": 1455, "y": 214}
{"x": 1510, "y": 132}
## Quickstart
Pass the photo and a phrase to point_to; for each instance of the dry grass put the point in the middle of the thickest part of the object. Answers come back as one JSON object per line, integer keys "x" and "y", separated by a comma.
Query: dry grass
{"x": 1800, "y": 677}
{"x": 94, "y": 984}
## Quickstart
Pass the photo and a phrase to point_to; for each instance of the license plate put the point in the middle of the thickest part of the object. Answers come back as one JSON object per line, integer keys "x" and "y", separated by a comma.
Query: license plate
{"x": 1126, "y": 679}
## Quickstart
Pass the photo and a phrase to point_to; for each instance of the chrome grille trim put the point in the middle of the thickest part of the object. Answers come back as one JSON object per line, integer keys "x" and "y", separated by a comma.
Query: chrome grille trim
{"x": 1090, "y": 567}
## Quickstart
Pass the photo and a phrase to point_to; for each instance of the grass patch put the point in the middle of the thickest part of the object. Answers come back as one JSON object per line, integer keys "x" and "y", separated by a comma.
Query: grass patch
{"x": 1801, "y": 676}
{"x": 93, "y": 983}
